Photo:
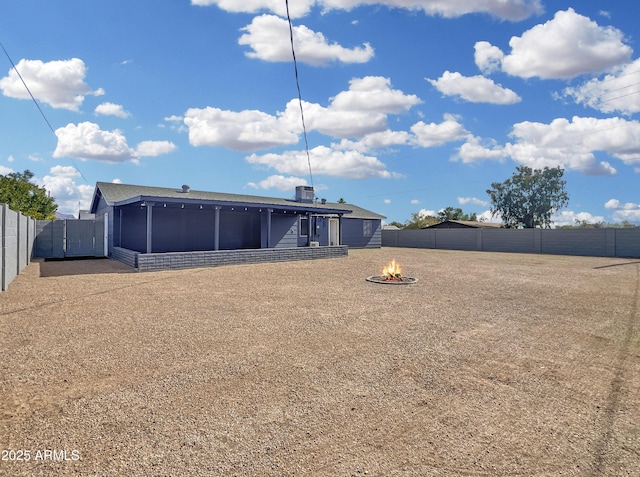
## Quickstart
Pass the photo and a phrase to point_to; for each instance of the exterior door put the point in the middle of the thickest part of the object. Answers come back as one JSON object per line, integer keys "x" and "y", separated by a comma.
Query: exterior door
{"x": 334, "y": 232}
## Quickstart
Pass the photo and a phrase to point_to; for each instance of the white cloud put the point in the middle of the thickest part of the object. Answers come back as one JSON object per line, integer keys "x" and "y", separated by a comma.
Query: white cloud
{"x": 387, "y": 201}
{"x": 612, "y": 204}
{"x": 5, "y": 170}
{"x": 69, "y": 196}
{"x": 154, "y": 148}
{"x": 57, "y": 83}
{"x": 269, "y": 38}
{"x": 376, "y": 141}
{"x": 414, "y": 202}
{"x": 279, "y": 182}
{"x": 475, "y": 89}
{"x": 476, "y": 149}
{"x": 488, "y": 58}
{"x": 487, "y": 216}
{"x": 88, "y": 142}
{"x": 427, "y": 213}
{"x": 373, "y": 94}
{"x": 357, "y": 112}
{"x": 335, "y": 122}
{"x": 569, "y": 144}
{"x": 629, "y": 211}
{"x": 324, "y": 160}
{"x": 617, "y": 91}
{"x": 299, "y": 8}
{"x": 434, "y": 134}
{"x": 569, "y": 217}
{"x": 567, "y": 46}
{"x": 514, "y": 10}
{"x": 247, "y": 130}
{"x": 472, "y": 200}
{"x": 112, "y": 109}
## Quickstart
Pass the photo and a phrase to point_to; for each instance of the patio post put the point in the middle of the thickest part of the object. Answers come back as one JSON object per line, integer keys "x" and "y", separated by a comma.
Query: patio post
{"x": 149, "y": 226}
{"x": 216, "y": 232}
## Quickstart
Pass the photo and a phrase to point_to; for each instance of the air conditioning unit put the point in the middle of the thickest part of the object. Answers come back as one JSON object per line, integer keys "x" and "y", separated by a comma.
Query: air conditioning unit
{"x": 304, "y": 194}
{"x": 314, "y": 244}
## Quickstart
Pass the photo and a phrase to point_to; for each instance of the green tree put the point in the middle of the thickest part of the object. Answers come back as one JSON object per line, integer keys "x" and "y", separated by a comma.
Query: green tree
{"x": 17, "y": 190}
{"x": 455, "y": 214}
{"x": 420, "y": 221}
{"x": 529, "y": 197}
{"x": 397, "y": 224}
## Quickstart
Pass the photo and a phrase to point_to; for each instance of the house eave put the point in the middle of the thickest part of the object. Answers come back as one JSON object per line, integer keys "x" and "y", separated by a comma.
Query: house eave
{"x": 295, "y": 207}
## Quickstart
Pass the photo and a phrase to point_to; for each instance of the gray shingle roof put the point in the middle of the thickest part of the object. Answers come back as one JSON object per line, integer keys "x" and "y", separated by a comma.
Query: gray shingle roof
{"x": 120, "y": 194}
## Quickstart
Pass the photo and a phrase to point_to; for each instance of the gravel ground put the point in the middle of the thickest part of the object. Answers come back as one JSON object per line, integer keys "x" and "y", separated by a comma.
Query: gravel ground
{"x": 492, "y": 364}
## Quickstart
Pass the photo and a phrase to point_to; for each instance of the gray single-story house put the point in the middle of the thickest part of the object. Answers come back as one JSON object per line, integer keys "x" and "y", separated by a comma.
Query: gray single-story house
{"x": 152, "y": 220}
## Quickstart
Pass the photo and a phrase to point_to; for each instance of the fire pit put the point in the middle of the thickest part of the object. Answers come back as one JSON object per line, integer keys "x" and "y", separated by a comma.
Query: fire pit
{"x": 392, "y": 275}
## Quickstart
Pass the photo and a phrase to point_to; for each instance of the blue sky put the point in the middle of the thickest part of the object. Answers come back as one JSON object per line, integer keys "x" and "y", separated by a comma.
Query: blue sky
{"x": 410, "y": 105}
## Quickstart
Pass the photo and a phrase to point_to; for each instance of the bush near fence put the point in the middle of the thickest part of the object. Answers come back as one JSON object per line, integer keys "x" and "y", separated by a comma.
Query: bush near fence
{"x": 605, "y": 242}
{"x": 18, "y": 233}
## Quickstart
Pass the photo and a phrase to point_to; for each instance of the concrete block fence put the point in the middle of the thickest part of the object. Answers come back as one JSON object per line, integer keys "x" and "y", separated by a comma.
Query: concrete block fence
{"x": 18, "y": 234}
{"x": 605, "y": 242}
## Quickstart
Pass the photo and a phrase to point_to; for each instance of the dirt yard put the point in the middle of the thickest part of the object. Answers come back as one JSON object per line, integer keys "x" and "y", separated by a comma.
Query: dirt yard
{"x": 492, "y": 364}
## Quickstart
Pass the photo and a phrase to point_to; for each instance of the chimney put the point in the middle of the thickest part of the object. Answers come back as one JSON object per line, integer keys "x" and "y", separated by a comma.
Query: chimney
{"x": 185, "y": 189}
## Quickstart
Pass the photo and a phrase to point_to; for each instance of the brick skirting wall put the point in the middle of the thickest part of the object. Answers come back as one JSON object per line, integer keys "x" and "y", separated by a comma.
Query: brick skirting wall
{"x": 145, "y": 262}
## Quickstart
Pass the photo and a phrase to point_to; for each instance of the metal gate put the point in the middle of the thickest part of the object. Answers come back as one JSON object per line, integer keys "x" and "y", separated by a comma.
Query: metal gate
{"x": 69, "y": 238}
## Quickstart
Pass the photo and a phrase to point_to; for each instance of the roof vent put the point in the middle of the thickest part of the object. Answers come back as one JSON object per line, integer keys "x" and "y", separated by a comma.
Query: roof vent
{"x": 185, "y": 188}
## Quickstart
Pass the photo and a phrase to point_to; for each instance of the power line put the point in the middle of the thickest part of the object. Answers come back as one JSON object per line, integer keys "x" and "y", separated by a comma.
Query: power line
{"x": 38, "y": 106}
{"x": 295, "y": 66}
{"x": 27, "y": 88}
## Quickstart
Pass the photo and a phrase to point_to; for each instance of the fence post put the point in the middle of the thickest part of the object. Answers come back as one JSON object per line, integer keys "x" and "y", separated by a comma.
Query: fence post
{"x": 3, "y": 251}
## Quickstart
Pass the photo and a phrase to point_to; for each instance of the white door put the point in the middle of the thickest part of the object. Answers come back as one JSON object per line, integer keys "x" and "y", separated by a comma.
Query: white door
{"x": 334, "y": 232}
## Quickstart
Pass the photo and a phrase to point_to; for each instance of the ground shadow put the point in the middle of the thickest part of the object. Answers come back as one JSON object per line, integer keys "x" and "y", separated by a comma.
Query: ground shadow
{"x": 616, "y": 265}
{"x": 82, "y": 266}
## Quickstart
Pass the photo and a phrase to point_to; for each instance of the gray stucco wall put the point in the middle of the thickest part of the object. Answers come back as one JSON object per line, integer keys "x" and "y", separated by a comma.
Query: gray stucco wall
{"x": 606, "y": 242}
{"x": 284, "y": 231}
{"x": 353, "y": 233}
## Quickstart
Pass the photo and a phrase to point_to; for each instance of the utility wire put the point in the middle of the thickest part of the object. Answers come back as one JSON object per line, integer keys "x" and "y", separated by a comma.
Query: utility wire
{"x": 38, "y": 106}
{"x": 27, "y": 88}
{"x": 295, "y": 66}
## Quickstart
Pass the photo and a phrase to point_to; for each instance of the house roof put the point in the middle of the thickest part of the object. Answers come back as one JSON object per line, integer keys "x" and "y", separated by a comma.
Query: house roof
{"x": 467, "y": 223}
{"x": 124, "y": 194}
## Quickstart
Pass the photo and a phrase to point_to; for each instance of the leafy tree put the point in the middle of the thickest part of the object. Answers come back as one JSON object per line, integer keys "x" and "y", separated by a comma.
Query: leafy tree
{"x": 17, "y": 190}
{"x": 529, "y": 197}
{"x": 397, "y": 224}
{"x": 455, "y": 214}
{"x": 420, "y": 221}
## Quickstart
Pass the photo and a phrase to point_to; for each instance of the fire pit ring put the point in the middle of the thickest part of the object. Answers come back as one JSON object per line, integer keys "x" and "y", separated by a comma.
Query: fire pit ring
{"x": 395, "y": 281}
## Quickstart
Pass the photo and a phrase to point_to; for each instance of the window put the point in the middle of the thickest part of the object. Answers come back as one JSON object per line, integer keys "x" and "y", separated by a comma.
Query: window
{"x": 367, "y": 228}
{"x": 304, "y": 226}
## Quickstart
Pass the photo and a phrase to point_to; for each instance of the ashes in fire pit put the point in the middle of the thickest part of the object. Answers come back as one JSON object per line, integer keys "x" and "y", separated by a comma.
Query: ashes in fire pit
{"x": 392, "y": 275}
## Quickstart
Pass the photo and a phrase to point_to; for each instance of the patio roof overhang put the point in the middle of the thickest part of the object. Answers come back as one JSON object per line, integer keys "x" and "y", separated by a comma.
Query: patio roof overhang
{"x": 294, "y": 207}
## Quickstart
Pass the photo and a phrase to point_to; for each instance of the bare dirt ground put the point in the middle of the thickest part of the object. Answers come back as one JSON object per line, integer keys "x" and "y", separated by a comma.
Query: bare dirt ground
{"x": 492, "y": 364}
